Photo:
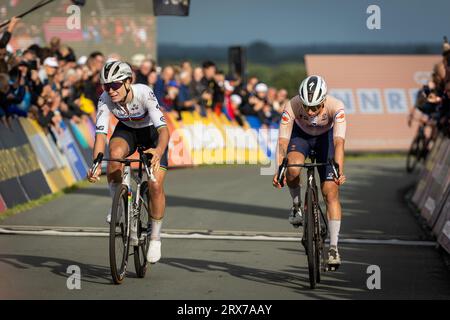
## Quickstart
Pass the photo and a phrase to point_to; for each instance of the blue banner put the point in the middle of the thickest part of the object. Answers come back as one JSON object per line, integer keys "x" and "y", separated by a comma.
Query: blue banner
{"x": 70, "y": 149}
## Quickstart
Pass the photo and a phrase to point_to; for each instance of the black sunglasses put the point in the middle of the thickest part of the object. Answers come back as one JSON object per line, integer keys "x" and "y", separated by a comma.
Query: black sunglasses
{"x": 113, "y": 85}
{"x": 313, "y": 108}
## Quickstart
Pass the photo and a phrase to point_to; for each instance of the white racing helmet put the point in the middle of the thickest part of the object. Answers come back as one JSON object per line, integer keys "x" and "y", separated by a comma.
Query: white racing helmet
{"x": 313, "y": 91}
{"x": 115, "y": 71}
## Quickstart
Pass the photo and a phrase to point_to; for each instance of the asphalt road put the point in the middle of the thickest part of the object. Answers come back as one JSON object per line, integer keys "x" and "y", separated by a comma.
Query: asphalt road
{"x": 232, "y": 201}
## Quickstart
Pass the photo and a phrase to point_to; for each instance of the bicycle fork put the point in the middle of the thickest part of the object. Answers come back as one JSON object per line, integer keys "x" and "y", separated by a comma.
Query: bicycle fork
{"x": 126, "y": 180}
{"x": 133, "y": 201}
{"x": 321, "y": 231}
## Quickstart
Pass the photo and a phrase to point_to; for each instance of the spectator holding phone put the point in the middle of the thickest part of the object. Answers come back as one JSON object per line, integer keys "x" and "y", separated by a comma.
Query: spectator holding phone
{"x": 4, "y": 40}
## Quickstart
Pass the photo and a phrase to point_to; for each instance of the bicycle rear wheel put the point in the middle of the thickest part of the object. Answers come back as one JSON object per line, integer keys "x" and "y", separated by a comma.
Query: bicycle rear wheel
{"x": 143, "y": 233}
{"x": 310, "y": 243}
{"x": 119, "y": 235}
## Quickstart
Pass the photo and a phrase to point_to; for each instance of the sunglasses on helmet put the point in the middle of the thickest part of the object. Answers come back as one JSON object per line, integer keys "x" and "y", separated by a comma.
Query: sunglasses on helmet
{"x": 113, "y": 85}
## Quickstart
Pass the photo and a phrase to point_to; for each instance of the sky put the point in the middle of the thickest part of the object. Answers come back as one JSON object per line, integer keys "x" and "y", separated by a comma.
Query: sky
{"x": 297, "y": 22}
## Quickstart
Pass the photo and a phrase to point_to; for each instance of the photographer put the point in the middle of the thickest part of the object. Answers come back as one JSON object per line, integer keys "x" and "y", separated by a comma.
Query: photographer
{"x": 257, "y": 101}
{"x": 212, "y": 87}
{"x": 18, "y": 87}
{"x": 46, "y": 109}
{"x": 12, "y": 92}
{"x": 92, "y": 88}
{"x": 70, "y": 92}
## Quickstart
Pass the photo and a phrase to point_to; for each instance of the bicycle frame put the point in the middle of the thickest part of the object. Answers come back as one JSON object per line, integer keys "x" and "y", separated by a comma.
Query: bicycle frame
{"x": 134, "y": 199}
{"x": 313, "y": 186}
{"x": 133, "y": 225}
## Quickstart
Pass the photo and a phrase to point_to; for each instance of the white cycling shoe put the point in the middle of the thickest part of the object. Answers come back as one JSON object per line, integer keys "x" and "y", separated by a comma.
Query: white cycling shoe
{"x": 296, "y": 216}
{"x": 154, "y": 251}
{"x": 108, "y": 217}
{"x": 334, "y": 259}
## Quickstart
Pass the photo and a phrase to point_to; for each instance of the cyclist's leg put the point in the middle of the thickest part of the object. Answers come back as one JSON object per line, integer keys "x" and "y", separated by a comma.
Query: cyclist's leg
{"x": 122, "y": 143}
{"x": 158, "y": 203}
{"x": 148, "y": 137}
{"x": 330, "y": 192}
{"x": 298, "y": 149}
{"x": 157, "y": 195}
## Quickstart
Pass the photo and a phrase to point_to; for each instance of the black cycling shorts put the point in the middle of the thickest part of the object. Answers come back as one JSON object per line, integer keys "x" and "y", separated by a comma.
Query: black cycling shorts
{"x": 323, "y": 145}
{"x": 145, "y": 137}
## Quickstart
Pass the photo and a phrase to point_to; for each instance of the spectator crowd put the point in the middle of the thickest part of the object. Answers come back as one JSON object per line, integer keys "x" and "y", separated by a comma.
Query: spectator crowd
{"x": 51, "y": 83}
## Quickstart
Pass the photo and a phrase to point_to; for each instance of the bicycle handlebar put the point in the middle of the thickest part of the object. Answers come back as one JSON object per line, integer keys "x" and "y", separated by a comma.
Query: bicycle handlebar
{"x": 144, "y": 159}
{"x": 97, "y": 162}
{"x": 284, "y": 165}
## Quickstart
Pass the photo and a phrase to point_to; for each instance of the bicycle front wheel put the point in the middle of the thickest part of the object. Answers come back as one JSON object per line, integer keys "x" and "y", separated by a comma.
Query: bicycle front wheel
{"x": 309, "y": 236}
{"x": 119, "y": 235}
{"x": 143, "y": 233}
{"x": 413, "y": 155}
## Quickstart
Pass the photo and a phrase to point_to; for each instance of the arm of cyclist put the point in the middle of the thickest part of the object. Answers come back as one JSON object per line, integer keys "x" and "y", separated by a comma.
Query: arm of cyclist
{"x": 101, "y": 132}
{"x": 157, "y": 153}
{"x": 99, "y": 147}
{"x": 339, "y": 158}
{"x": 339, "y": 130}
{"x": 286, "y": 125}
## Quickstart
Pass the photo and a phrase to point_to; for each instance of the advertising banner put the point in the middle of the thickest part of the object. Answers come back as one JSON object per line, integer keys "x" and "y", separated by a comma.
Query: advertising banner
{"x": 53, "y": 164}
{"x": 70, "y": 149}
{"x": 378, "y": 92}
{"x": 21, "y": 174}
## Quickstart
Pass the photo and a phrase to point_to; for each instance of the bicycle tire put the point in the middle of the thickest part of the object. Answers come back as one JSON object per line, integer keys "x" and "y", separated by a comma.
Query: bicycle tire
{"x": 118, "y": 238}
{"x": 318, "y": 242}
{"x": 425, "y": 149}
{"x": 310, "y": 245}
{"x": 140, "y": 251}
{"x": 413, "y": 155}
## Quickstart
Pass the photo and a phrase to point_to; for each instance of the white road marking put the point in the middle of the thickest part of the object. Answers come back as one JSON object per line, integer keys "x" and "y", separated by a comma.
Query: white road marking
{"x": 203, "y": 235}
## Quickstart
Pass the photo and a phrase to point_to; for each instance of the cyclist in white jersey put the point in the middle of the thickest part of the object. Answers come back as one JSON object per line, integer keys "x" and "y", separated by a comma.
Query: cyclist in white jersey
{"x": 141, "y": 123}
{"x": 314, "y": 121}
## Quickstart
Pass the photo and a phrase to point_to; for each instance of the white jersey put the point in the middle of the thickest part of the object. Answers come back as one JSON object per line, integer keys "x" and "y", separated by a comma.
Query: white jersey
{"x": 141, "y": 112}
{"x": 331, "y": 116}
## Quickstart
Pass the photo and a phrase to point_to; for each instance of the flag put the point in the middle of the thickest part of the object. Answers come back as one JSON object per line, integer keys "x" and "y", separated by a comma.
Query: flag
{"x": 171, "y": 7}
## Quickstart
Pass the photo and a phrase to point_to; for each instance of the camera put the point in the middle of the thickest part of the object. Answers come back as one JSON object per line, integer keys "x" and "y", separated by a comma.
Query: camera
{"x": 32, "y": 65}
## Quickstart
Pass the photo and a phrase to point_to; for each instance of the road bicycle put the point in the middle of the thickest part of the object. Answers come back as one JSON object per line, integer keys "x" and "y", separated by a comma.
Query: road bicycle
{"x": 315, "y": 226}
{"x": 130, "y": 212}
